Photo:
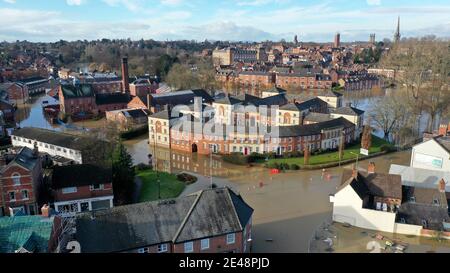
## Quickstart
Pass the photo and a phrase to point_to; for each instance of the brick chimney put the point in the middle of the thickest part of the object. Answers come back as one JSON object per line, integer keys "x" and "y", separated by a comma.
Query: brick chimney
{"x": 149, "y": 101}
{"x": 125, "y": 80}
{"x": 371, "y": 168}
{"x": 45, "y": 210}
{"x": 354, "y": 172}
{"x": 442, "y": 185}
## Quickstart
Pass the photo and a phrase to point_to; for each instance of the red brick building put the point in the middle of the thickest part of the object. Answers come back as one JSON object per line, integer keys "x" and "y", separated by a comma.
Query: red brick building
{"x": 17, "y": 92}
{"x": 209, "y": 221}
{"x": 143, "y": 87}
{"x": 80, "y": 188}
{"x": 304, "y": 81}
{"x": 77, "y": 99}
{"x": 256, "y": 79}
{"x": 20, "y": 183}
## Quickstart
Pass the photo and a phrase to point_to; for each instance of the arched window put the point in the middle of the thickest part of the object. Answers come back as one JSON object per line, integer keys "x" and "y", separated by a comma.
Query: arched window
{"x": 16, "y": 178}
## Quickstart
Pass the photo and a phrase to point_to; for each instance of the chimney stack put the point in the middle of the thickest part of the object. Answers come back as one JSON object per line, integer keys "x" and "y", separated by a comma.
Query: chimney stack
{"x": 125, "y": 79}
{"x": 371, "y": 168}
{"x": 442, "y": 185}
{"x": 45, "y": 210}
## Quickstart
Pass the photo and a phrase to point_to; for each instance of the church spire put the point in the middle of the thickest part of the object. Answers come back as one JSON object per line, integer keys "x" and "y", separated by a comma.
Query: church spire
{"x": 397, "y": 32}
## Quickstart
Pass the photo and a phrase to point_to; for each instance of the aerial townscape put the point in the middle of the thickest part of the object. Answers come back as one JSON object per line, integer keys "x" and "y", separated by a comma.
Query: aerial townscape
{"x": 287, "y": 143}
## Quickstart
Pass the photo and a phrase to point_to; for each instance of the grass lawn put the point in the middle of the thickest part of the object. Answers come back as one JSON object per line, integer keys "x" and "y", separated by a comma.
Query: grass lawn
{"x": 349, "y": 153}
{"x": 171, "y": 187}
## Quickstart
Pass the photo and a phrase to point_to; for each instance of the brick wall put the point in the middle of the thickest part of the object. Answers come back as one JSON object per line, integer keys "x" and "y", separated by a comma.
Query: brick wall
{"x": 83, "y": 192}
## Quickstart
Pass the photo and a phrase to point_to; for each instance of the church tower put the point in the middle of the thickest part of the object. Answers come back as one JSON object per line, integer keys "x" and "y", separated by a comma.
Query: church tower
{"x": 397, "y": 35}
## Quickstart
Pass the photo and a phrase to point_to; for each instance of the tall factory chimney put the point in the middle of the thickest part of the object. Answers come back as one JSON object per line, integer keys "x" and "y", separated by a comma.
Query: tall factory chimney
{"x": 125, "y": 79}
{"x": 337, "y": 40}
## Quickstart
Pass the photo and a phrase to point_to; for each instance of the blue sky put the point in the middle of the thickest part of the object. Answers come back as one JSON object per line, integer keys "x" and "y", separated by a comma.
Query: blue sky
{"x": 250, "y": 20}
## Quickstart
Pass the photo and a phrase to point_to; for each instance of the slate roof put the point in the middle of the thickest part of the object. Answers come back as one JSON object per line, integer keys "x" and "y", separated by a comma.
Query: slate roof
{"x": 136, "y": 113}
{"x": 379, "y": 184}
{"x": 203, "y": 214}
{"x": 444, "y": 142}
{"x": 113, "y": 98}
{"x": 348, "y": 110}
{"x": 414, "y": 214}
{"x": 29, "y": 232}
{"x": 80, "y": 175}
{"x": 26, "y": 159}
{"x": 317, "y": 117}
{"x": 75, "y": 142}
{"x": 228, "y": 100}
{"x": 79, "y": 91}
{"x": 276, "y": 90}
{"x": 303, "y": 105}
{"x": 312, "y": 129}
{"x": 330, "y": 93}
{"x": 165, "y": 114}
{"x": 180, "y": 97}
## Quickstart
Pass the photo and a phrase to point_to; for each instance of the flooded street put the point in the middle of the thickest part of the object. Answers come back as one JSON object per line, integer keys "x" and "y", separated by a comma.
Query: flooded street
{"x": 288, "y": 207}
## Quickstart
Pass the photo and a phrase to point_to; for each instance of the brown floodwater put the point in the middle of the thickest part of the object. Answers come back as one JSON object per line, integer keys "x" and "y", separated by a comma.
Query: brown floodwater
{"x": 289, "y": 206}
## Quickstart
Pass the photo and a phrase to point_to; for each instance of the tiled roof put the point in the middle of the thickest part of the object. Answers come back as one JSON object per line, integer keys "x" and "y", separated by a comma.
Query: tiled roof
{"x": 203, "y": 214}
{"x": 79, "y": 175}
{"x": 348, "y": 110}
{"x": 114, "y": 98}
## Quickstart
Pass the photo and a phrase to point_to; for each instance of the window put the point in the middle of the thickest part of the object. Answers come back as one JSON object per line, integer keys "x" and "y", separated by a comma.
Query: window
{"x": 96, "y": 187}
{"x": 204, "y": 244}
{"x": 435, "y": 202}
{"x": 424, "y": 223}
{"x": 69, "y": 190}
{"x": 12, "y": 196}
{"x": 231, "y": 238}
{"x": 16, "y": 179}
{"x": 162, "y": 248}
{"x": 412, "y": 199}
{"x": 188, "y": 247}
{"x": 144, "y": 250}
{"x": 25, "y": 194}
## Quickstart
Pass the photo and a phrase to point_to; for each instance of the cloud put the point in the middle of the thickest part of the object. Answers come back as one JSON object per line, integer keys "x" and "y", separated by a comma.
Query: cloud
{"x": 10, "y": 1}
{"x": 373, "y": 2}
{"x": 132, "y": 5}
{"x": 171, "y": 2}
{"x": 75, "y": 2}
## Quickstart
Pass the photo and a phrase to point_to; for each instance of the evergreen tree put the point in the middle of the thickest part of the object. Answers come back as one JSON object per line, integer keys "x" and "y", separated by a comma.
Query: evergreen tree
{"x": 123, "y": 174}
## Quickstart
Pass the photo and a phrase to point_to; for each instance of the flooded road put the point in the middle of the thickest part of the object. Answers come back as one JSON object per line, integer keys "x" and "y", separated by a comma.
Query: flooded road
{"x": 288, "y": 207}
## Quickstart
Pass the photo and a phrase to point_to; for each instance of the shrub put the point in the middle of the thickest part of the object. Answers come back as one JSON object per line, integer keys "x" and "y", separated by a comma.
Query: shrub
{"x": 387, "y": 148}
{"x": 134, "y": 133}
{"x": 236, "y": 158}
{"x": 143, "y": 167}
{"x": 273, "y": 165}
{"x": 284, "y": 166}
{"x": 186, "y": 178}
{"x": 295, "y": 167}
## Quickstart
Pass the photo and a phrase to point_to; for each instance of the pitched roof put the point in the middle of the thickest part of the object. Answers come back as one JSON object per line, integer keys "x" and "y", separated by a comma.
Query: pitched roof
{"x": 312, "y": 129}
{"x": 303, "y": 105}
{"x": 29, "y": 232}
{"x": 25, "y": 158}
{"x": 80, "y": 175}
{"x": 79, "y": 91}
{"x": 203, "y": 214}
{"x": 381, "y": 185}
{"x": 76, "y": 142}
{"x": 276, "y": 90}
{"x": 113, "y": 98}
{"x": 330, "y": 93}
{"x": 444, "y": 141}
{"x": 228, "y": 100}
{"x": 180, "y": 97}
{"x": 317, "y": 117}
{"x": 348, "y": 110}
{"x": 415, "y": 214}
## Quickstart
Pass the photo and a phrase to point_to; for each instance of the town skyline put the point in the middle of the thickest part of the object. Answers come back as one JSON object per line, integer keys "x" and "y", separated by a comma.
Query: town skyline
{"x": 312, "y": 21}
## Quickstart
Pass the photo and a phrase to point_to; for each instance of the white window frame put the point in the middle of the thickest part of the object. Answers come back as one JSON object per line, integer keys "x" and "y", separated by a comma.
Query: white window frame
{"x": 162, "y": 248}
{"x": 100, "y": 187}
{"x": 204, "y": 244}
{"x": 231, "y": 238}
{"x": 9, "y": 195}
{"x": 188, "y": 247}
{"x": 144, "y": 250}
{"x": 28, "y": 196}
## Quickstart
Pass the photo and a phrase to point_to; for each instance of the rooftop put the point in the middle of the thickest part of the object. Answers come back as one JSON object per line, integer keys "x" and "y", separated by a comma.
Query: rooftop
{"x": 79, "y": 91}
{"x": 203, "y": 214}
{"x": 80, "y": 175}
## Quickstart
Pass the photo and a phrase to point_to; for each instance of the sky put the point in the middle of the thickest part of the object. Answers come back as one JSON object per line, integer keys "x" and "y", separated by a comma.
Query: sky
{"x": 235, "y": 20}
